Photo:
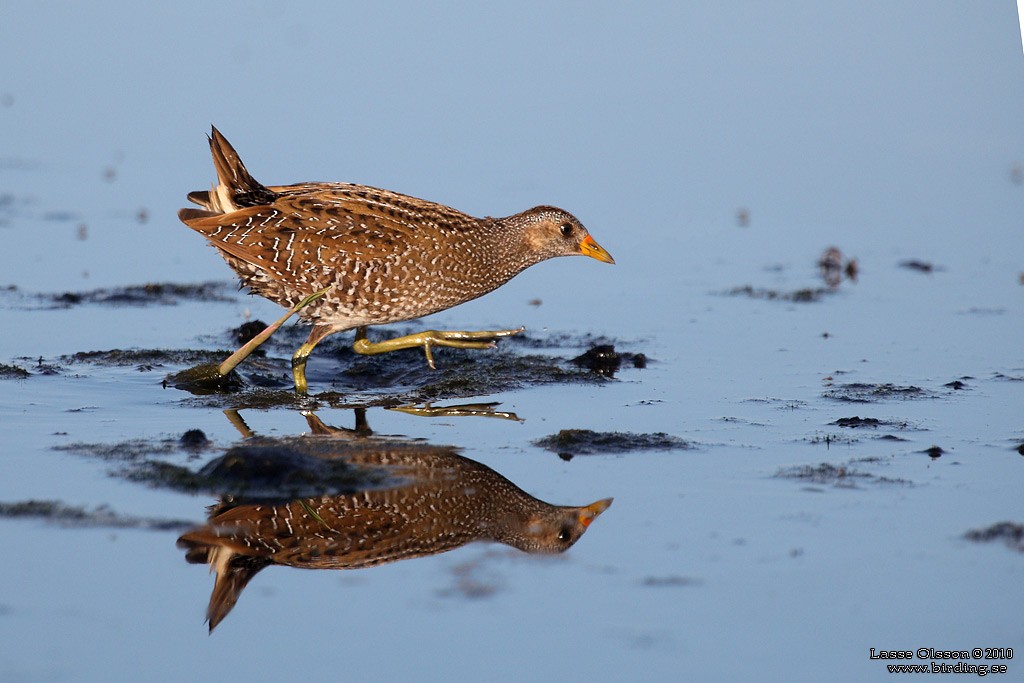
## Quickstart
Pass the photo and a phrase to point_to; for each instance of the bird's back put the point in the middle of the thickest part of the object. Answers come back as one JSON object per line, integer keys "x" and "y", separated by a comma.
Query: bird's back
{"x": 383, "y": 256}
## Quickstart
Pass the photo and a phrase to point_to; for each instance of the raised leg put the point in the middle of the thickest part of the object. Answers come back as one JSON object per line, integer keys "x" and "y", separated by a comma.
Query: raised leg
{"x": 241, "y": 354}
{"x": 316, "y": 336}
{"x": 430, "y": 338}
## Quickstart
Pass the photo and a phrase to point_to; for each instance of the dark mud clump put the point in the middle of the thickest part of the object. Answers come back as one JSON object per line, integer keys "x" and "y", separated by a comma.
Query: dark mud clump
{"x": 933, "y": 452}
{"x": 30, "y": 367}
{"x": 268, "y": 469}
{"x": 194, "y": 439}
{"x": 279, "y": 469}
{"x": 890, "y": 437}
{"x": 572, "y": 442}
{"x": 857, "y": 422}
{"x": 155, "y": 293}
{"x": 468, "y": 374}
{"x": 134, "y": 450}
{"x": 838, "y": 476}
{"x": 201, "y": 378}
{"x": 205, "y": 379}
{"x": 605, "y": 360}
{"x": 58, "y": 513}
{"x": 858, "y": 392}
{"x": 13, "y": 372}
{"x": 143, "y": 359}
{"x": 1010, "y": 533}
{"x": 245, "y": 332}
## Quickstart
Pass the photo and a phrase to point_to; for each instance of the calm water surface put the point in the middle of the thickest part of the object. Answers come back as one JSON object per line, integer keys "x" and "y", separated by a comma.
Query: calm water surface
{"x": 889, "y": 131}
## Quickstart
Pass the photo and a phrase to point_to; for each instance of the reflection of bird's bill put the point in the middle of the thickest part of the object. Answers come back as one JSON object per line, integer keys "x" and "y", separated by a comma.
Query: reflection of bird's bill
{"x": 588, "y": 513}
{"x": 590, "y": 247}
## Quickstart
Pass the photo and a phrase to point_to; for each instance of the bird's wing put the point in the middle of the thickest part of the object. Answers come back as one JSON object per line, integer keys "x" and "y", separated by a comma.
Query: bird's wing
{"x": 325, "y": 223}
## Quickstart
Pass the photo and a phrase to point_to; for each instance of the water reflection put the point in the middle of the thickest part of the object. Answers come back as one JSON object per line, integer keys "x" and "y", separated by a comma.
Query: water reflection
{"x": 405, "y": 499}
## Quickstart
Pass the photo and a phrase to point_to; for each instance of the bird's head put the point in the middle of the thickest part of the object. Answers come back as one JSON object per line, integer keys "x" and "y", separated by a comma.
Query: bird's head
{"x": 549, "y": 232}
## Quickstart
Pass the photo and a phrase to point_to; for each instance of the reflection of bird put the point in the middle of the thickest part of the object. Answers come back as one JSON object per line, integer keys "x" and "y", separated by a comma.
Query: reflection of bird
{"x": 381, "y": 257}
{"x": 443, "y": 501}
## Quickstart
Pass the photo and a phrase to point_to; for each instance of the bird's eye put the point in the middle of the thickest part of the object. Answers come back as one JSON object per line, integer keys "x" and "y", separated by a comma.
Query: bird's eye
{"x": 566, "y": 229}
{"x": 564, "y": 535}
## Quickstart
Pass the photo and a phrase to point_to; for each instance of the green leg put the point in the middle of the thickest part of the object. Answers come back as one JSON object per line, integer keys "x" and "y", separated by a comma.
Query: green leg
{"x": 241, "y": 354}
{"x": 458, "y": 340}
{"x": 302, "y": 354}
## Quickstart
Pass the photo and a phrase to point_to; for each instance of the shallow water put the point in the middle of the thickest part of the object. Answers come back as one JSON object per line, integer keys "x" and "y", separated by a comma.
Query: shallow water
{"x": 741, "y": 556}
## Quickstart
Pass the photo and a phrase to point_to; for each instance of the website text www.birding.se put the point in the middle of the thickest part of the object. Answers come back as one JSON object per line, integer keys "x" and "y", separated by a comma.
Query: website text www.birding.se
{"x": 945, "y": 661}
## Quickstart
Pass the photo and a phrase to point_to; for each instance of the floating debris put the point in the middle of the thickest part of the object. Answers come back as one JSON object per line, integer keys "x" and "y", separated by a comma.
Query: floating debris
{"x": 825, "y": 473}
{"x": 859, "y": 392}
{"x": 805, "y": 295}
{"x": 833, "y": 266}
{"x": 569, "y": 443}
{"x": 672, "y": 581}
{"x": 920, "y": 266}
{"x": 102, "y": 516}
{"x": 1011, "y": 533}
{"x": 838, "y": 476}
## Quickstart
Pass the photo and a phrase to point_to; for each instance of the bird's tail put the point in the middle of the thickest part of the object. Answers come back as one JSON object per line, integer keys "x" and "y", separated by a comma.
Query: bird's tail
{"x": 233, "y": 570}
{"x": 235, "y": 188}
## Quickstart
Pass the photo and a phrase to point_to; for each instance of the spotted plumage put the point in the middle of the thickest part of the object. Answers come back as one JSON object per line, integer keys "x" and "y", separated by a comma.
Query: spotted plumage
{"x": 380, "y": 256}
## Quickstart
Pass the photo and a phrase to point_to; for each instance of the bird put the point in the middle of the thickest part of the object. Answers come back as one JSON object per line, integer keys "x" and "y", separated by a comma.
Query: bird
{"x": 435, "y": 500}
{"x": 347, "y": 256}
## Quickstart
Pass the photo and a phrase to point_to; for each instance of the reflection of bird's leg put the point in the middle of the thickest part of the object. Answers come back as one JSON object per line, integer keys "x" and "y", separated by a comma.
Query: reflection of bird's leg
{"x": 362, "y": 425}
{"x": 238, "y": 422}
{"x": 241, "y": 354}
{"x": 317, "y": 426}
{"x": 483, "y": 339}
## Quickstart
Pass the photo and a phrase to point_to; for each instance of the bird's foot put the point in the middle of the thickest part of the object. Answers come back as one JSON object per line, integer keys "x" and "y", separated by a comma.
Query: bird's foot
{"x": 483, "y": 339}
